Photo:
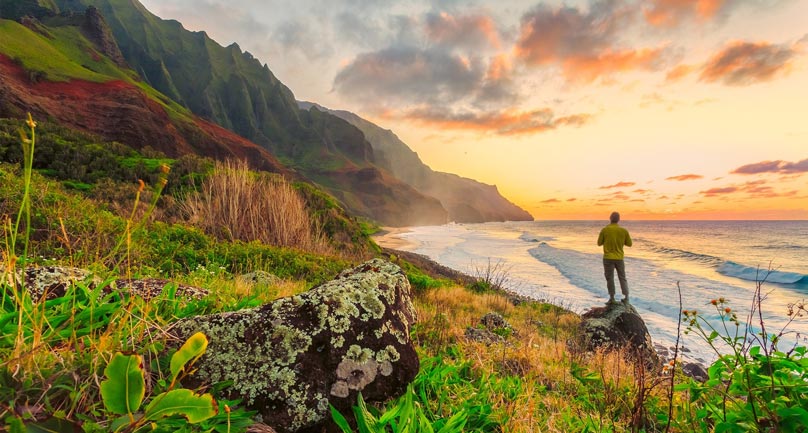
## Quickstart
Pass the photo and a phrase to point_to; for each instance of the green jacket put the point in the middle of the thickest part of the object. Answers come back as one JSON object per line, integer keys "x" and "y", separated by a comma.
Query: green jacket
{"x": 613, "y": 237}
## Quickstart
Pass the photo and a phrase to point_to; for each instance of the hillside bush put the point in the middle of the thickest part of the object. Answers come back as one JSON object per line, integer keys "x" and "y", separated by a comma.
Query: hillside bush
{"x": 237, "y": 204}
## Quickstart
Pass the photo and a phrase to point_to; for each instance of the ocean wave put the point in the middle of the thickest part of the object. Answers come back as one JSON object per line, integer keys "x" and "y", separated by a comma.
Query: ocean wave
{"x": 529, "y": 237}
{"x": 779, "y": 246}
{"x": 751, "y": 273}
{"x": 689, "y": 255}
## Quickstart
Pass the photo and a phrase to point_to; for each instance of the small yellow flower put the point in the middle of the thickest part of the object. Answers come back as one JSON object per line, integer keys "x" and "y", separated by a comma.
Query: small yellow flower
{"x": 165, "y": 168}
{"x": 30, "y": 122}
{"x": 142, "y": 185}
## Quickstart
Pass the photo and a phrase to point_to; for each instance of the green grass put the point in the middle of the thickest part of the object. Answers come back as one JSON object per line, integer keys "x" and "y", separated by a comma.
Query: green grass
{"x": 34, "y": 52}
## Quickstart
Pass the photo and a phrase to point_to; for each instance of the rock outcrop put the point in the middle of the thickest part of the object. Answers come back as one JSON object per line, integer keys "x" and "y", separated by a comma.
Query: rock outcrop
{"x": 617, "y": 326}
{"x": 51, "y": 282}
{"x": 96, "y": 29}
{"x": 493, "y": 328}
{"x": 291, "y": 359}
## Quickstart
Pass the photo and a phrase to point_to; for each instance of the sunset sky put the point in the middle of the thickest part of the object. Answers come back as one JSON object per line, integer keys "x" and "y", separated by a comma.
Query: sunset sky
{"x": 674, "y": 109}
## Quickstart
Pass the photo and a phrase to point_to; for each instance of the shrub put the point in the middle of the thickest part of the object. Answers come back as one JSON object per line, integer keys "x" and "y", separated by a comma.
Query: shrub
{"x": 234, "y": 203}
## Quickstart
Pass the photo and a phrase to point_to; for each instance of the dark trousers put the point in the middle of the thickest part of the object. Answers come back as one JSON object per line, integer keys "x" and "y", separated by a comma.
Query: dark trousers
{"x": 609, "y": 265}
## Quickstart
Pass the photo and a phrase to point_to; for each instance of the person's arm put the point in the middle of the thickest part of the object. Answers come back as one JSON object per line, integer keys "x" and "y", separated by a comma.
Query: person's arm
{"x": 600, "y": 238}
{"x": 628, "y": 239}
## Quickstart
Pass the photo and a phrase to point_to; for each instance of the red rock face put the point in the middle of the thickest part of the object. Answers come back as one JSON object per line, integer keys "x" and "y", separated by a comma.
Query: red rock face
{"x": 120, "y": 111}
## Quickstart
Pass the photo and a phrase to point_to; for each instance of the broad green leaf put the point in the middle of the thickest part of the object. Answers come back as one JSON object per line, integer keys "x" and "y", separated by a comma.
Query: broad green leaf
{"x": 194, "y": 407}
{"x": 193, "y": 348}
{"x": 125, "y": 386}
{"x": 340, "y": 420}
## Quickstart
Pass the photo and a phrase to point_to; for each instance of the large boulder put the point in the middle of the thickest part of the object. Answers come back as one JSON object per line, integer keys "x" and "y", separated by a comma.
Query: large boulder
{"x": 617, "y": 326}
{"x": 291, "y": 359}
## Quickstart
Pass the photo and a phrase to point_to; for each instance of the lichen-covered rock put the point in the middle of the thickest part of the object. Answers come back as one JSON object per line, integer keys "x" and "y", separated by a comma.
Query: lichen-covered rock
{"x": 617, "y": 326}
{"x": 150, "y": 288}
{"x": 51, "y": 282}
{"x": 261, "y": 278}
{"x": 291, "y": 359}
{"x": 482, "y": 335}
{"x": 493, "y": 328}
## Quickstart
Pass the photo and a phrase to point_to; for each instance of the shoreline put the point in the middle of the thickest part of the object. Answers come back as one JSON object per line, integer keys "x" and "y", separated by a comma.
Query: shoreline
{"x": 391, "y": 238}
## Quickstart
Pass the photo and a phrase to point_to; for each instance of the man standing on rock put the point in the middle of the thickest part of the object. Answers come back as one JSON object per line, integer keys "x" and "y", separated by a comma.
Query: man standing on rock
{"x": 613, "y": 237}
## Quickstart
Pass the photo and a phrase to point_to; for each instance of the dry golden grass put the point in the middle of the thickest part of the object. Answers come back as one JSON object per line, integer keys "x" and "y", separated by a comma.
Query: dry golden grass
{"x": 537, "y": 352}
{"x": 234, "y": 203}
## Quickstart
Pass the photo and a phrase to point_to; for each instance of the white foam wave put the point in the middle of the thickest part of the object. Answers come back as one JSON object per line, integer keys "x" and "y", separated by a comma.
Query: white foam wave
{"x": 750, "y": 273}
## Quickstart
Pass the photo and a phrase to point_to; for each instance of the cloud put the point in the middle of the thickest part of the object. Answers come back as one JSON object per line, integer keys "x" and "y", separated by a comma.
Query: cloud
{"x": 472, "y": 31}
{"x": 779, "y": 167}
{"x": 754, "y": 189}
{"x": 552, "y": 200}
{"x": 583, "y": 43}
{"x": 670, "y": 13}
{"x": 296, "y": 35}
{"x": 642, "y": 191}
{"x": 684, "y": 177}
{"x": 619, "y": 185}
{"x": 679, "y": 72}
{"x": 572, "y": 199}
{"x": 406, "y": 75}
{"x": 715, "y": 192}
{"x": 508, "y": 122}
{"x": 743, "y": 63}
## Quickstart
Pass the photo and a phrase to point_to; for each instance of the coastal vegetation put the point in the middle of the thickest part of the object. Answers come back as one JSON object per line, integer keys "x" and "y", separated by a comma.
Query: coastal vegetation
{"x": 57, "y": 356}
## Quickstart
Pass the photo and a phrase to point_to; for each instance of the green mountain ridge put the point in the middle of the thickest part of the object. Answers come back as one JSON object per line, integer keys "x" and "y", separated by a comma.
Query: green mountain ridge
{"x": 190, "y": 73}
{"x": 466, "y": 200}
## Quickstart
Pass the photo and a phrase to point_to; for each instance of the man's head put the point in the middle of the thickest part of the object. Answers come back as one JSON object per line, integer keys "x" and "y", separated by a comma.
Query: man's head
{"x": 614, "y": 217}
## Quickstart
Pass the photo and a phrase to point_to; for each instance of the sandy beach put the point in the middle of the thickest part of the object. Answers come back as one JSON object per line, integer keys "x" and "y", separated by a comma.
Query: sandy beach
{"x": 390, "y": 237}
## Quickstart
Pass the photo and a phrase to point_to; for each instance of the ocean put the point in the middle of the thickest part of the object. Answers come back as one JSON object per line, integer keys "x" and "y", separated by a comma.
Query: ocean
{"x": 559, "y": 262}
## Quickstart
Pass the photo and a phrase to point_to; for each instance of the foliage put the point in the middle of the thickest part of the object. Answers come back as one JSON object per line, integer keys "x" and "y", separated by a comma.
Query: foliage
{"x": 491, "y": 275}
{"x": 753, "y": 386}
{"x": 124, "y": 389}
{"x": 235, "y": 203}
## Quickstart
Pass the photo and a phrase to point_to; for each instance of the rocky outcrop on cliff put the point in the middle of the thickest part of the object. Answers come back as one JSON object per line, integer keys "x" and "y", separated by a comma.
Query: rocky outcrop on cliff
{"x": 291, "y": 359}
{"x": 99, "y": 33}
{"x": 617, "y": 326}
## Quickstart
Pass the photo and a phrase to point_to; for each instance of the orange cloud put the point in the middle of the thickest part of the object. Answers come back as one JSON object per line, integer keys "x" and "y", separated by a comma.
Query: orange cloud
{"x": 754, "y": 189}
{"x": 619, "y": 185}
{"x": 669, "y": 13}
{"x": 683, "y": 177}
{"x": 552, "y": 200}
{"x": 588, "y": 69}
{"x": 462, "y": 29}
{"x": 509, "y": 122}
{"x": 715, "y": 192}
{"x": 499, "y": 68}
{"x": 679, "y": 72}
{"x": 743, "y": 63}
{"x": 582, "y": 43}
